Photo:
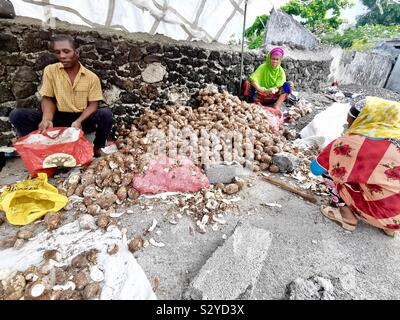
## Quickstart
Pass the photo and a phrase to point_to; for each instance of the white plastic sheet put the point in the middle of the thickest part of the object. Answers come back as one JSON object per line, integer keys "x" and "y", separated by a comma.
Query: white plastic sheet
{"x": 207, "y": 20}
{"x": 325, "y": 127}
{"x": 124, "y": 279}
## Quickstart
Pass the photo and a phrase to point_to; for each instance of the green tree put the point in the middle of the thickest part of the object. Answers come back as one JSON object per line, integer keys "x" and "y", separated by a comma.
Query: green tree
{"x": 362, "y": 37}
{"x": 386, "y": 12}
{"x": 255, "y": 32}
{"x": 319, "y": 16}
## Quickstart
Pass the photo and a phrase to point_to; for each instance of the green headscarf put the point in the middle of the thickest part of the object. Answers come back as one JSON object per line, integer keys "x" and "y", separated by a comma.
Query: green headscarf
{"x": 267, "y": 77}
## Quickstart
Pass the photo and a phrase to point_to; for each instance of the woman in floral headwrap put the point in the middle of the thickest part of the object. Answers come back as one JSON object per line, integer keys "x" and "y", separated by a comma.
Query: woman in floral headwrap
{"x": 362, "y": 169}
{"x": 268, "y": 83}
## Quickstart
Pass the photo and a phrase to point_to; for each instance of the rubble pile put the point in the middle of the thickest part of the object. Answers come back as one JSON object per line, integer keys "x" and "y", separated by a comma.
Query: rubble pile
{"x": 220, "y": 115}
{"x": 207, "y": 207}
{"x": 220, "y": 119}
{"x": 52, "y": 280}
{"x": 300, "y": 109}
{"x": 302, "y": 175}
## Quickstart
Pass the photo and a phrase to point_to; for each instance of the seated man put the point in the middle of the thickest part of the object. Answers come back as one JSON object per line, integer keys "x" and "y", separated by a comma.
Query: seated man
{"x": 70, "y": 97}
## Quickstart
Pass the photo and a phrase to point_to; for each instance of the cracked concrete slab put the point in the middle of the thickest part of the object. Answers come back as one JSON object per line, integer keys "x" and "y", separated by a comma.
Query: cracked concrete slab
{"x": 236, "y": 264}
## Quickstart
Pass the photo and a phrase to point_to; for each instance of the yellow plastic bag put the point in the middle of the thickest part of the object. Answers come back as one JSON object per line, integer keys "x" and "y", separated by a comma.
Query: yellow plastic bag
{"x": 27, "y": 201}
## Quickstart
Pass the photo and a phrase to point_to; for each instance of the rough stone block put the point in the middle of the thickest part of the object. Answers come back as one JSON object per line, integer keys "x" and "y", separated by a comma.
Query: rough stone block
{"x": 6, "y": 9}
{"x": 222, "y": 173}
{"x": 22, "y": 90}
{"x": 5, "y": 93}
{"x": 233, "y": 269}
{"x": 8, "y": 43}
{"x": 285, "y": 161}
{"x": 283, "y": 29}
{"x": 25, "y": 74}
{"x": 154, "y": 72}
{"x": 394, "y": 79}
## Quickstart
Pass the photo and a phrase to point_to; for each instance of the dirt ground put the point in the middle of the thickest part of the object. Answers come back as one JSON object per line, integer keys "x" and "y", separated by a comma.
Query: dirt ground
{"x": 361, "y": 265}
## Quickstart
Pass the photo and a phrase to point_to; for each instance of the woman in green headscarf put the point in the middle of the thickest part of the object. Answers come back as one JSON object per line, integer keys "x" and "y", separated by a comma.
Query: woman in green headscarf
{"x": 268, "y": 83}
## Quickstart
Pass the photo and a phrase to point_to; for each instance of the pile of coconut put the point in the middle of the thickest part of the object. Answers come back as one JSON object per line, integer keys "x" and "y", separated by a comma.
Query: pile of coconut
{"x": 79, "y": 280}
{"x": 179, "y": 130}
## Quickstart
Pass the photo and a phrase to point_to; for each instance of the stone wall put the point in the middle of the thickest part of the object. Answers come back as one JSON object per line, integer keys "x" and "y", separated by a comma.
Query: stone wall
{"x": 363, "y": 68}
{"x": 138, "y": 71}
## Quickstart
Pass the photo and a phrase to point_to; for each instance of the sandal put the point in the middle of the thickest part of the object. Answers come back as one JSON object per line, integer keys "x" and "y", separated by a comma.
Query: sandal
{"x": 391, "y": 233}
{"x": 334, "y": 215}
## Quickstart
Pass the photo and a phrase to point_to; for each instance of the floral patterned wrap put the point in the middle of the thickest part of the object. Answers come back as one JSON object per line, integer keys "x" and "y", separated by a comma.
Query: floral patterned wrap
{"x": 366, "y": 173}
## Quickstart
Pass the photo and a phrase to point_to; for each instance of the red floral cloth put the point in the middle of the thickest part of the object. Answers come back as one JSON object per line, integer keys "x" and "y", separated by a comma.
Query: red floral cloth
{"x": 367, "y": 176}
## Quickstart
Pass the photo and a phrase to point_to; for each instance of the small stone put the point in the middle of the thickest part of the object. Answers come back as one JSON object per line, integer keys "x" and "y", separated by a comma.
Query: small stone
{"x": 273, "y": 168}
{"x": 103, "y": 221}
{"x": 135, "y": 245}
{"x": 81, "y": 280}
{"x": 19, "y": 243}
{"x": 52, "y": 220}
{"x": 24, "y": 234}
{"x": 80, "y": 261}
{"x": 92, "y": 291}
{"x": 231, "y": 188}
{"x": 154, "y": 72}
{"x": 112, "y": 249}
{"x": 52, "y": 255}
{"x": 286, "y": 162}
{"x": 91, "y": 255}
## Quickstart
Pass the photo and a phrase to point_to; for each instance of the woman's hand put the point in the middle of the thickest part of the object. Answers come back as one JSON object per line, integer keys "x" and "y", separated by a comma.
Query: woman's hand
{"x": 263, "y": 90}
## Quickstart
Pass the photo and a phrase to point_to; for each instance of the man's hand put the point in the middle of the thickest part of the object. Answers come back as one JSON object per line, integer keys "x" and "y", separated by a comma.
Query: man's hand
{"x": 76, "y": 125}
{"x": 44, "y": 125}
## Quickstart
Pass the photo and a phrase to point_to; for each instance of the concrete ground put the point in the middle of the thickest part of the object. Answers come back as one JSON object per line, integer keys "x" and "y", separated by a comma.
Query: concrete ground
{"x": 364, "y": 264}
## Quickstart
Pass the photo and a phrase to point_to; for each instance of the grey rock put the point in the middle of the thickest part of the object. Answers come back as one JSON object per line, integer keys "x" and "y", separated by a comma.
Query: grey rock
{"x": 6, "y": 9}
{"x": 285, "y": 161}
{"x": 5, "y": 125}
{"x": 152, "y": 58}
{"x": 25, "y": 74}
{"x": 364, "y": 68}
{"x": 390, "y": 48}
{"x": 23, "y": 90}
{"x": 5, "y": 93}
{"x": 12, "y": 60}
{"x": 44, "y": 60}
{"x": 394, "y": 78}
{"x": 233, "y": 268}
{"x": 154, "y": 72}
{"x": 154, "y": 48}
{"x": 104, "y": 46}
{"x": 222, "y": 173}
{"x": 8, "y": 43}
{"x": 34, "y": 42}
{"x": 30, "y": 102}
{"x": 135, "y": 54}
{"x": 89, "y": 55}
{"x": 314, "y": 288}
{"x": 284, "y": 29}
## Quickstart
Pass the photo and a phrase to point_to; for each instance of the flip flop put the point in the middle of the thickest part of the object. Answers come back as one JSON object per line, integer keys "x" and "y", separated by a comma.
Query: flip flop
{"x": 391, "y": 233}
{"x": 334, "y": 215}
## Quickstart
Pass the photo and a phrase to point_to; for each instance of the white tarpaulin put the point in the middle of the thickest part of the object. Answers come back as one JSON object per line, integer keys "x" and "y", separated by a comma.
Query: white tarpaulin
{"x": 325, "y": 127}
{"x": 207, "y": 20}
{"x": 124, "y": 279}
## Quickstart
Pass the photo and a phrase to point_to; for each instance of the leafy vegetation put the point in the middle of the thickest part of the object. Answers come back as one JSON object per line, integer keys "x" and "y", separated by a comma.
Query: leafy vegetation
{"x": 363, "y": 37}
{"x": 322, "y": 17}
{"x": 385, "y": 12}
{"x": 319, "y": 16}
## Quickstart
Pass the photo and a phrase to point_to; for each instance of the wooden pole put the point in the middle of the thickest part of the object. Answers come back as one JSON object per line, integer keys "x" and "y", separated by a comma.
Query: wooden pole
{"x": 286, "y": 187}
